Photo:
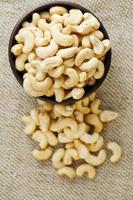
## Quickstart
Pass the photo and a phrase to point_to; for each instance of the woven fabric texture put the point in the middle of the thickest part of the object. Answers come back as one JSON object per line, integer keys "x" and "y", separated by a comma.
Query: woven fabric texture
{"x": 21, "y": 176}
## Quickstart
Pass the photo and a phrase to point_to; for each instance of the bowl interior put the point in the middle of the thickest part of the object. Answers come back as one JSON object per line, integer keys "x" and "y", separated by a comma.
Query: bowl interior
{"x": 27, "y": 17}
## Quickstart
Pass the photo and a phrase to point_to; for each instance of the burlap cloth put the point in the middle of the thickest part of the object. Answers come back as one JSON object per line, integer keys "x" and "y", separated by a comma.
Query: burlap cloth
{"x": 21, "y": 176}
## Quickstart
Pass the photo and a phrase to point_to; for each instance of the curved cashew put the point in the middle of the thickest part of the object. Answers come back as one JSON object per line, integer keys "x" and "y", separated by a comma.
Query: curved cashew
{"x": 44, "y": 121}
{"x": 107, "y": 46}
{"x": 35, "y": 19}
{"x": 37, "y": 32}
{"x": 83, "y": 109}
{"x": 77, "y": 93}
{"x": 116, "y": 150}
{"x": 74, "y": 17}
{"x": 60, "y": 38}
{"x": 30, "y": 126}
{"x": 44, "y": 26}
{"x": 108, "y": 116}
{"x": 90, "y": 75}
{"x": 42, "y": 155}
{"x": 57, "y": 158}
{"x": 69, "y": 145}
{"x": 48, "y": 51}
{"x": 59, "y": 94}
{"x": 86, "y": 41}
{"x": 79, "y": 116}
{"x": 69, "y": 62}
{"x": 52, "y": 139}
{"x": 68, "y": 52}
{"x": 81, "y": 148}
{"x": 86, "y": 168}
{"x": 64, "y": 123}
{"x": 89, "y": 138}
{"x": 56, "y": 72}
{"x": 96, "y": 160}
{"x": 72, "y": 79}
{"x": 97, "y": 34}
{"x": 82, "y": 76}
{"x": 41, "y": 138}
{"x": 76, "y": 40}
{"x": 70, "y": 154}
{"x": 34, "y": 113}
{"x": 45, "y": 15}
{"x": 67, "y": 171}
{"x": 62, "y": 109}
{"x": 89, "y": 65}
{"x": 98, "y": 46}
{"x": 67, "y": 30}
{"x": 31, "y": 57}
{"x": 93, "y": 119}
{"x": 60, "y": 10}
{"x": 17, "y": 49}
{"x": 28, "y": 39}
{"x": 20, "y": 62}
{"x": 58, "y": 82}
{"x": 50, "y": 63}
{"x": 57, "y": 18}
{"x": 97, "y": 145}
{"x": 94, "y": 106}
{"x": 40, "y": 76}
{"x": 63, "y": 138}
{"x": 100, "y": 70}
{"x": 18, "y": 39}
{"x": 83, "y": 55}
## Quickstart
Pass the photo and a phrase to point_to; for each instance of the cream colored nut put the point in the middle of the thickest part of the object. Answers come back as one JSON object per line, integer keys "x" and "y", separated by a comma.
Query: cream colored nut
{"x": 50, "y": 63}
{"x": 74, "y": 17}
{"x": 58, "y": 82}
{"x": 44, "y": 121}
{"x": 62, "y": 109}
{"x": 64, "y": 139}
{"x": 88, "y": 15}
{"x": 31, "y": 57}
{"x": 69, "y": 62}
{"x": 45, "y": 15}
{"x": 28, "y": 39}
{"x": 92, "y": 96}
{"x": 18, "y": 39}
{"x": 44, "y": 26}
{"x": 81, "y": 148}
{"x": 48, "y": 51}
{"x": 40, "y": 76}
{"x": 68, "y": 52}
{"x": 90, "y": 74}
{"x": 94, "y": 106}
{"x": 100, "y": 70}
{"x": 64, "y": 123}
{"x": 27, "y": 66}
{"x": 67, "y": 30}
{"x": 78, "y": 93}
{"x": 108, "y": 116}
{"x": 86, "y": 168}
{"x": 26, "y": 24}
{"x": 69, "y": 155}
{"x": 97, "y": 34}
{"x": 67, "y": 171}
{"x": 107, "y": 46}
{"x": 60, "y": 38}
{"x": 49, "y": 92}
{"x": 57, "y": 18}
{"x": 79, "y": 116}
{"x": 82, "y": 76}
{"x": 97, "y": 145}
{"x": 83, "y": 109}
{"x": 37, "y": 32}
{"x": 60, "y": 10}
{"x": 35, "y": 19}
{"x": 30, "y": 126}
{"x": 72, "y": 79}
{"x": 42, "y": 155}
{"x": 41, "y": 138}
{"x": 93, "y": 119}
{"x": 69, "y": 145}
{"x": 17, "y": 49}
{"x": 86, "y": 101}
{"x": 36, "y": 64}
{"x": 98, "y": 46}
{"x": 116, "y": 150}
{"x": 51, "y": 137}
{"x": 59, "y": 94}
{"x": 89, "y": 138}
{"x": 86, "y": 41}
{"x": 20, "y": 62}
{"x": 76, "y": 40}
{"x": 56, "y": 72}
{"x": 34, "y": 113}
{"x": 96, "y": 160}
{"x": 89, "y": 65}
{"x": 32, "y": 71}
{"x": 57, "y": 158}
{"x": 40, "y": 42}
{"x": 83, "y": 55}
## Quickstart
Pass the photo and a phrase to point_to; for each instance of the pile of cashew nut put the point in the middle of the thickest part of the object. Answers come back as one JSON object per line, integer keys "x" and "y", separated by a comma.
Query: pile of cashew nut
{"x": 71, "y": 133}
{"x": 60, "y": 51}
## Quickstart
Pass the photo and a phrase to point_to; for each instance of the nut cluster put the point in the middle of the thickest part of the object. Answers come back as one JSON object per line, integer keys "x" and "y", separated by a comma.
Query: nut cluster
{"x": 75, "y": 130}
{"x": 60, "y": 52}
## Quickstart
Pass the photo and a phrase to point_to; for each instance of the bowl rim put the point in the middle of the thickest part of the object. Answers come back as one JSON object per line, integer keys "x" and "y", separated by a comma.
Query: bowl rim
{"x": 45, "y": 7}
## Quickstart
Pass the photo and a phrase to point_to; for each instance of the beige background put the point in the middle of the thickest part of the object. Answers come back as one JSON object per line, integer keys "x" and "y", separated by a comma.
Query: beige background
{"x": 22, "y": 177}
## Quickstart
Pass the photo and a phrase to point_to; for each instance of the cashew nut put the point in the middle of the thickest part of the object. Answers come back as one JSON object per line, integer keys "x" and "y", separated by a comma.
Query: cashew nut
{"x": 60, "y": 10}
{"x": 97, "y": 34}
{"x": 108, "y": 116}
{"x": 34, "y": 113}
{"x": 77, "y": 93}
{"x": 83, "y": 55}
{"x": 67, "y": 30}
{"x": 74, "y": 17}
{"x": 62, "y": 109}
{"x": 86, "y": 41}
{"x": 52, "y": 139}
{"x": 17, "y": 49}
{"x": 63, "y": 138}
{"x": 116, "y": 150}
{"x": 83, "y": 109}
{"x": 76, "y": 40}
{"x": 45, "y": 15}
{"x": 79, "y": 116}
{"x": 44, "y": 121}
{"x": 20, "y": 62}
{"x": 93, "y": 119}
{"x": 70, "y": 154}
{"x": 30, "y": 126}
{"x": 94, "y": 106}
{"x": 42, "y": 155}
{"x": 57, "y": 18}
{"x": 97, "y": 145}
{"x": 96, "y": 160}
{"x": 44, "y": 26}
{"x": 89, "y": 65}
{"x": 107, "y": 46}
{"x": 92, "y": 96}
{"x": 86, "y": 168}
{"x": 82, "y": 76}
{"x": 41, "y": 138}
{"x": 58, "y": 82}
{"x": 81, "y": 148}
{"x": 67, "y": 171}
{"x": 69, "y": 62}
{"x": 68, "y": 52}
{"x": 35, "y": 19}
{"x": 59, "y": 94}
{"x": 99, "y": 70}
{"x": 57, "y": 158}
{"x": 98, "y": 46}
{"x": 28, "y": 39}
{"x": 72, "y": 79}
{"x": 31, "y": 57}
{"x": 89, "y": 138}
{"x": 56, "y": 72}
